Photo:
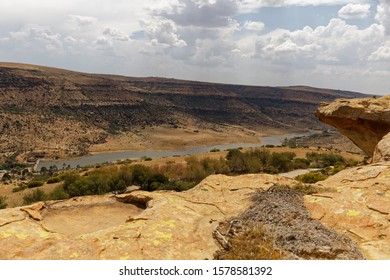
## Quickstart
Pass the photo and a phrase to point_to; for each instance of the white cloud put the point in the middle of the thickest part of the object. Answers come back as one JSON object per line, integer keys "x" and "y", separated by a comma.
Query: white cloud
{"x": 382, "y": 54}
{"x": 35, "y": 36}
{"x": 254, "y": 25}
{"x": 82, "y": 21}
{"x": 201, "y": 13}
{"x": 383, "y": 14}
{"x": 116, "y": 34}
{"x": 162, "y": 32}
{"x": 337, "y": 44}
{"x": 351, "y": 11}
{"x": 248, "y": 6}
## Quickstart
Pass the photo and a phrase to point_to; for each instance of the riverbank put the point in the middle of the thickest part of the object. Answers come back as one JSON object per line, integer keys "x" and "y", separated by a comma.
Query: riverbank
{"x": 111, "y": 157}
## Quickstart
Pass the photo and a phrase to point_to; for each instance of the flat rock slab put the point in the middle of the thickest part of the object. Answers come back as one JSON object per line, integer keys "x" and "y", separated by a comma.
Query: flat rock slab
{"x": 171, "y": 226}
{"x": 359, "y": 207}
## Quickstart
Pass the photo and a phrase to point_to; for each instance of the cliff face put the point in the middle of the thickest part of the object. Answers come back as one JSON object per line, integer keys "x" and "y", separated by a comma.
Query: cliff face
{"x": 365, "y": 121}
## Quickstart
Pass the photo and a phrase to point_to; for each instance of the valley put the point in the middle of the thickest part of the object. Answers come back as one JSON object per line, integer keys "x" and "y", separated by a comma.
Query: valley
{"x": 53, "y": 113}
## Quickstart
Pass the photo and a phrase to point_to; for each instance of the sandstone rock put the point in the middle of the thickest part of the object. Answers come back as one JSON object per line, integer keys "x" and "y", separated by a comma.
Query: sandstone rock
{"x": 364, "y": 120}
{"x": 358, "y": 207}
{"x": 382, "y": 150}
{"x": 34, "y": 210}
{"x": 165, "y": 225}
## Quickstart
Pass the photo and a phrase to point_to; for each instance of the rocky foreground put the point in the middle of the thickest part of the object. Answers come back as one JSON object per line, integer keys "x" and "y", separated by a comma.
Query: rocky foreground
{"x": 170, "y": 225}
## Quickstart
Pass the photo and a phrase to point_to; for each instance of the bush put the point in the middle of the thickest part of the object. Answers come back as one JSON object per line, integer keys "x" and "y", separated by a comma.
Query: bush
{"x": 35, "y": 196}
{"x": 58, "y": 194}
{"x": 300, "y": 163}
{"x": 3, "y": 204}
{"x": 324, "y": 160}
{"x": 20, "y": 188}
{"x": 34, "y": 184}
{"x": 54, "y": 180}
{"x": 311, "y": 177}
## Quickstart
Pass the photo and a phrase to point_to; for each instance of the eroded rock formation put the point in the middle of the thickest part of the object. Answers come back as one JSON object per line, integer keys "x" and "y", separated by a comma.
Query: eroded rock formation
{"x": 363, "y": 120}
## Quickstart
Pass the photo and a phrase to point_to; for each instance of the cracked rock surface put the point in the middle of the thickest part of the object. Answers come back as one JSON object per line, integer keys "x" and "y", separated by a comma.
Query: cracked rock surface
{"x": 158, "y": 225}
{"x": 359, "y": 207}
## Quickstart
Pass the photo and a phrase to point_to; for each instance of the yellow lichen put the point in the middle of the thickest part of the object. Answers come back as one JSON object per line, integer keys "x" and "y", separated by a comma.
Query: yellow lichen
{"x": 21, "y": 236}
{"x": 74, "y": 255}
{"x": 353, "y": 213}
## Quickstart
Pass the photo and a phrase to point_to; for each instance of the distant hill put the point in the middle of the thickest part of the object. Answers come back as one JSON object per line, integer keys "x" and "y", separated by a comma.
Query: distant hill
{"x": 70, "y": 111}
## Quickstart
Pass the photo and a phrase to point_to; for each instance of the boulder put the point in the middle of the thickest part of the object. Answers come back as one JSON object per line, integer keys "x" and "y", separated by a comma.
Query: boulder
{"x": 382, "y": 150}
{"x": 365, "y": 121}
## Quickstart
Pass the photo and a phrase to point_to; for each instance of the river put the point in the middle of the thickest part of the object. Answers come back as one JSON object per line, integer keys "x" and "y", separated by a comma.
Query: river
{"x": 117, "y": 156}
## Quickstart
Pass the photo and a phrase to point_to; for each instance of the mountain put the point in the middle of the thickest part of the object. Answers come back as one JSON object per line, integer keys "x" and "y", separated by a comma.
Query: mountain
{"x": 57, "y": 113}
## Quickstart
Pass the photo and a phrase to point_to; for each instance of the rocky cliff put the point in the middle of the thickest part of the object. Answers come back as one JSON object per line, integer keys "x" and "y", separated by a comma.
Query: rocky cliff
{"x": 365, "y": 121}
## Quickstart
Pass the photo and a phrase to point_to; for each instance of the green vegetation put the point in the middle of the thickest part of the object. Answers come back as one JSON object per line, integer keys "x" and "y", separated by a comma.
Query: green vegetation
{"x": 311, "y": 177}
{"x": 34, "y": 184}
{"x": 255, "y": 161}
{"x": 179, "y": 177}
{"x": 22, "y": 186}
{"x": 53, "y": 180}
{"x": 3, "y": 204}
{"x": 214, "y": 150}
{"x": 35, "y": 196}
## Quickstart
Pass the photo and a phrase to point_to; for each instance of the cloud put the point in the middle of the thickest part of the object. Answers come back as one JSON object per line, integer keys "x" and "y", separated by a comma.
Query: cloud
{"x": 116, "y": 34}
{"x": 254, "y": 25}
{"x": 382, "y": 54}
{"x": 82, "y": 21}
{"x": 35, "y": 36}
{"x": 201, "y": 13}
{"x": 162, "y": 32}
{"x": 351, "y": 11}
{"x": 383, "y": 15}
{"x": 335, "y": 44}
{"x": 248, "y": 6}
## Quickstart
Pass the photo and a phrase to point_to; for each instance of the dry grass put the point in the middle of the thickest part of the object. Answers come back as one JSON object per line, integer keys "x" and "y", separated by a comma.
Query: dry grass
{"x": 253, "y": 243}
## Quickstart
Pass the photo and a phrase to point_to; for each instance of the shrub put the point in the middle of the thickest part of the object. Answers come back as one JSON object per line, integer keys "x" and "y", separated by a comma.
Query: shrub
{"x": 214, "y": 150}
{"x": 34, "y": 184}
{"x": 311, "y": 177}
{"x": 35, "y": 196}
{"x": 20, "y": 188}
{"x": 324, "y": 160}
{"x": 58, "y": 194}
{"x": 145, "y": 158}
{"x": 54, "y": 180}
{"x": 177, "y": 185}
{"x": 3, "y": 204}
{"x": 300, "y": 163}
{"x": 282, "y": 162}
{"x": 253, "y": 243}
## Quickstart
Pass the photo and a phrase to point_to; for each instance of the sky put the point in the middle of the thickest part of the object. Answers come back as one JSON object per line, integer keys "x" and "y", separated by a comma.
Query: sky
{"x": 322, "y": 43}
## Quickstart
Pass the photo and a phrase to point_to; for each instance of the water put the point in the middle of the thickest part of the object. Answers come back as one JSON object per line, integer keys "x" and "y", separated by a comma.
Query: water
{"x": 118, "y": 156}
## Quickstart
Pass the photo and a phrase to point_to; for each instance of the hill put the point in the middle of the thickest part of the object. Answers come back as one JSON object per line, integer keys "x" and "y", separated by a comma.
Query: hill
{"x": 49, "y": 112}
